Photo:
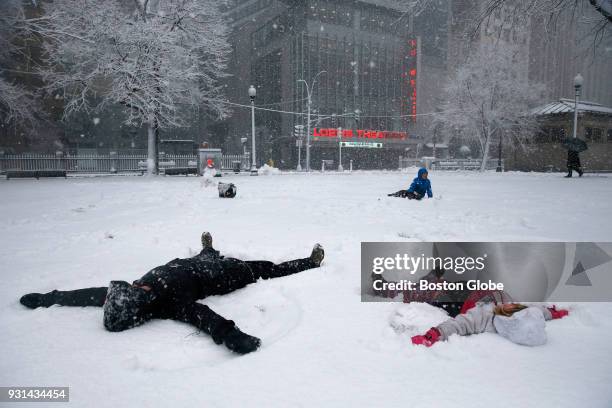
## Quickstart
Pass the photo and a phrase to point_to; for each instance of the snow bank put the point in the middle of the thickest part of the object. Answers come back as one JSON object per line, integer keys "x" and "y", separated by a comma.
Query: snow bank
{"x": 266, "y": 170}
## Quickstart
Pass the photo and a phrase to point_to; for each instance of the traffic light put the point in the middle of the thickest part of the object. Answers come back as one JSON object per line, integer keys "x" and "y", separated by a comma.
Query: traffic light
{"x": 298, "y": 131}
{"x": 334, "y": 121}
{"x": 357, "y": 115}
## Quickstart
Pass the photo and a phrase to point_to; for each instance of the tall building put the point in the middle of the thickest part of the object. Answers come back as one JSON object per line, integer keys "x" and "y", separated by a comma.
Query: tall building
{"x": 368, "y": 57}
{"x": 500, "y": 29}
{"x": 558, "y": 53}
{"x": 548, "y": 52}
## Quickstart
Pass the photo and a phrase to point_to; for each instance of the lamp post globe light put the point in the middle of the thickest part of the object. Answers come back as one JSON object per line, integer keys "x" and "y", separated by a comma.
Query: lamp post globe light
{"x": 252, "y": 95}
{"x": 578, "y": 81}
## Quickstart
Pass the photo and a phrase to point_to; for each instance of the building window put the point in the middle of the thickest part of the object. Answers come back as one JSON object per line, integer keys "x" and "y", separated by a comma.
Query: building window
{"x": 550, "y": 135}
{"x": 557, "y": 134}
{"x": 598, "y": 135}
{"x": 594, "y": 135}
{"x": 609, "y": 135}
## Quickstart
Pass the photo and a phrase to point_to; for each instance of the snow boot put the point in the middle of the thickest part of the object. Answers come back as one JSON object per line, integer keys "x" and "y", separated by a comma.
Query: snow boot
{"x": 413, "y": 196}
{"x": 234, "y": 339}
{"x": 580, "y": 172}
{"x": 401, "y": 193}
{"x": 34, "y": 300}
{"x": 240, "y": 342}
{"x": 317, "y": 254}
{"x": 206, "y": 240}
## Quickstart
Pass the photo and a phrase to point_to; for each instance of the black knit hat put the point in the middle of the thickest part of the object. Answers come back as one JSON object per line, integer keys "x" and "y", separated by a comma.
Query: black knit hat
{"x": 125, "y": 306}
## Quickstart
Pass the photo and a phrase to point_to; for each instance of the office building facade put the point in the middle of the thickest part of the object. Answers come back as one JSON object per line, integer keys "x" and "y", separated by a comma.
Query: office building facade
{"x": 370, "y": 69}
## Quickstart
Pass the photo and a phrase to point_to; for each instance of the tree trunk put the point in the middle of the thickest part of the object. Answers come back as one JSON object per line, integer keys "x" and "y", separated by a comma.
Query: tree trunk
{"x": 485, "y": 152}
{"x": 152, "y": 147}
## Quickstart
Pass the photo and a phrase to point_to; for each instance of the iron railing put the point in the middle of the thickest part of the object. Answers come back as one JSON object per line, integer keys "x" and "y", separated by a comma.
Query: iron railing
{"x": 448, "y": 164}
{"x": 108, "y": 163}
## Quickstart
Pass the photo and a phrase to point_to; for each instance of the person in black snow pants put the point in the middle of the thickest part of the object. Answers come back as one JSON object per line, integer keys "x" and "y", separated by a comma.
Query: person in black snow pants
{"x": 171, "y": 291}
{"x": 573, "y": 163}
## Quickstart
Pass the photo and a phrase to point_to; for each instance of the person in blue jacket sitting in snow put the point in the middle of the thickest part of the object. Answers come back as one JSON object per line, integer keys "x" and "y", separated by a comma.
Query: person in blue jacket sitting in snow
{"x": 419, "y": 187}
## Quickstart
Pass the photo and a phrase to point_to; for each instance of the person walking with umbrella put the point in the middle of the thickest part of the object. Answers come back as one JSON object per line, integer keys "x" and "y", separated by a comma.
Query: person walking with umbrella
{"x": 574, "y": 147}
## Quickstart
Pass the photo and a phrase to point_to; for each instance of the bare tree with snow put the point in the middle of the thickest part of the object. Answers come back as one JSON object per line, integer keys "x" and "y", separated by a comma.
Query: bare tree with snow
{"x": 547, "y": 10}
{"x": 518, "y": 13}
{"x": 18, "y": 105}
{"x": 489, "y": 96}
{"x": 156, "y": 58}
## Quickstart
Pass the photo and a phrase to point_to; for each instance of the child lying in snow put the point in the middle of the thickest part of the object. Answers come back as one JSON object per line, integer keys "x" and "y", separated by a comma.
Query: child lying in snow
{"x": 518, "y": 323}
{"x": 419, "y": 187}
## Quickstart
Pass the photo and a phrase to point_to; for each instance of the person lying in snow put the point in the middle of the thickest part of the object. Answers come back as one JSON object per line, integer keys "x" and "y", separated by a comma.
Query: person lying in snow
{"x": 170, "y": 291}
{"x": 453, "y": 302}
{"x": 419, "y": 187}
{"x": 474, "y": 311}
{"x": 518, "y": 323}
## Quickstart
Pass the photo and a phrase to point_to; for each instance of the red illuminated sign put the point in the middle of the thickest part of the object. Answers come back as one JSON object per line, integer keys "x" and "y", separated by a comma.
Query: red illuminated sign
{"x": 360, "y": 134}
{"x": 412, "y": 78}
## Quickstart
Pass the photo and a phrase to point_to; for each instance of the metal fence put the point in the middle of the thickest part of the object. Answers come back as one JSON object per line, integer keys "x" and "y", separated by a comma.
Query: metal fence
{"x": 228, "y": 160}
{"x": 107, "y": 163}
{"x": 448, "y": 164}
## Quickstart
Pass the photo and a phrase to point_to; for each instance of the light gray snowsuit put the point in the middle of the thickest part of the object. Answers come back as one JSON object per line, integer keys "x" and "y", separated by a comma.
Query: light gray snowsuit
{"x": 477, "y": 320}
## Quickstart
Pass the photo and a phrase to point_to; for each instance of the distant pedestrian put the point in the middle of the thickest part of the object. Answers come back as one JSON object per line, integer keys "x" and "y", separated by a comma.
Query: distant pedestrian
{"x": 573, "y": 163}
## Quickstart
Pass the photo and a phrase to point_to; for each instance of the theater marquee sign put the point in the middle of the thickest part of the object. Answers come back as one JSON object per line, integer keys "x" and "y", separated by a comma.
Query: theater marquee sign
{"x": 359, "y": 134}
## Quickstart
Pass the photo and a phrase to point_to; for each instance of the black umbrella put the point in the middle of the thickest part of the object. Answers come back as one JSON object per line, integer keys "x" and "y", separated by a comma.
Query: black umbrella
{"x": 574, "y": 144}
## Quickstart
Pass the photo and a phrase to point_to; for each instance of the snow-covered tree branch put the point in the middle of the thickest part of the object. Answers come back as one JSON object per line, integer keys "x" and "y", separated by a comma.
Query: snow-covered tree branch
{"x": 155, "y": 58}
{"x": 18, "y": 106}
{"x": 519, "y": 12}
{"x": 488, "y": 96}
{"x": 547, "y": 11}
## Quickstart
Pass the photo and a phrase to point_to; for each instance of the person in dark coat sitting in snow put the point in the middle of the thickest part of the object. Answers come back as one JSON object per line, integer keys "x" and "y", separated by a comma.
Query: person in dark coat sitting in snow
{"x": 171, "y": 291}
{"x": 518, "y": 323}
{"x": 419, "y": 187}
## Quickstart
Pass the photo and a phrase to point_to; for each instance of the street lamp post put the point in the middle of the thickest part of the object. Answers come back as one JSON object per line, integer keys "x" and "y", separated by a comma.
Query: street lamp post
{"x": 578, "y": 80}
{"x": 299, "y": 135}
{"x": 252, "y": 95}
{"x": 340, "y": 168}
{"x": 309, "y": 94}
{"x": 299, "y": 165}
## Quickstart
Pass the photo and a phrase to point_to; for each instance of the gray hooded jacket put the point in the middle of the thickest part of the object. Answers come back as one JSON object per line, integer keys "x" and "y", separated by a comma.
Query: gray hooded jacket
{"x": 477, "y": 320}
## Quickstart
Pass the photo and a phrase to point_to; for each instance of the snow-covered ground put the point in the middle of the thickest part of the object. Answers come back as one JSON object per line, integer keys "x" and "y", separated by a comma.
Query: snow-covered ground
{"x": 321, "y": 345}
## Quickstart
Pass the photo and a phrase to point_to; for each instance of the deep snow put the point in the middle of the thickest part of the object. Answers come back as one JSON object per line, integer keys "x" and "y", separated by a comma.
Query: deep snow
{"x": 321, "y": 345}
